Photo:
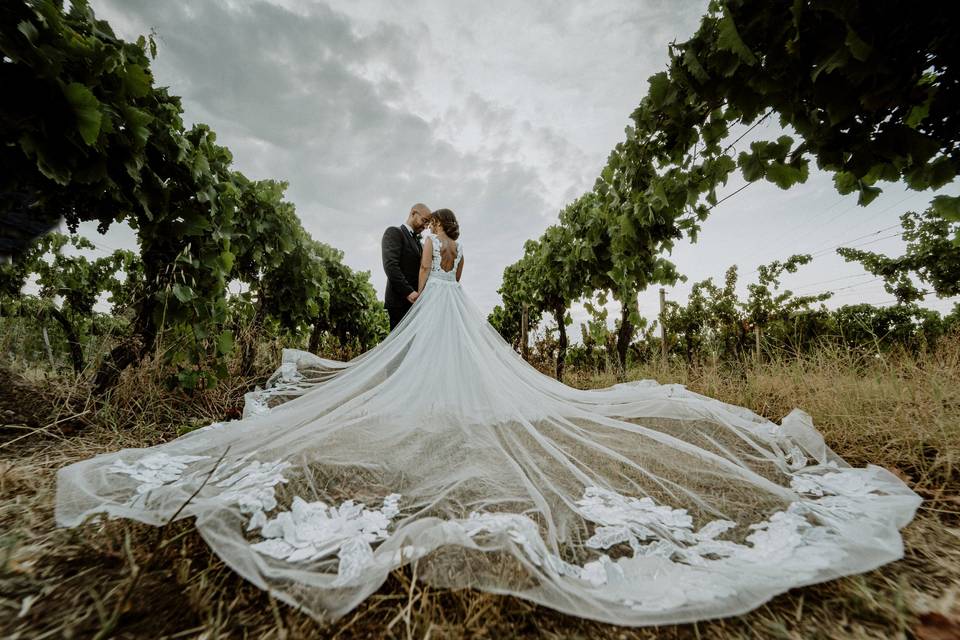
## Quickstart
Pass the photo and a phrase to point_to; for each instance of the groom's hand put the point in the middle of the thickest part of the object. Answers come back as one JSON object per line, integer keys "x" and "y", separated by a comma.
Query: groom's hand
{"x": 412, "y": 297}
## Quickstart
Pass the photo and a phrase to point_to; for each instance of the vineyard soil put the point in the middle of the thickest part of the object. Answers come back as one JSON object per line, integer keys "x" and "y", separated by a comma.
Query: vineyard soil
{"x": 126, "y": 580}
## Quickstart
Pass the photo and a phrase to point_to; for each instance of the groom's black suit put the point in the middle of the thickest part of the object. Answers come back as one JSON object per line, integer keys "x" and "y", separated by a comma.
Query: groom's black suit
{"x": 401, "y": 262}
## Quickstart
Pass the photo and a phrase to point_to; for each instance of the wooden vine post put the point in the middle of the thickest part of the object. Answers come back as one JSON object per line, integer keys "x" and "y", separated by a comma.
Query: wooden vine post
{"x": 663, "y": 326}
{"x": 46, "y": 345}
{"x": 524, "y": 342}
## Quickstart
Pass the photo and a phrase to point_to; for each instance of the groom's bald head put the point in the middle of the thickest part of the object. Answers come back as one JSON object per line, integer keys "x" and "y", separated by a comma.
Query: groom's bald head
{"x": 418, "y": 216}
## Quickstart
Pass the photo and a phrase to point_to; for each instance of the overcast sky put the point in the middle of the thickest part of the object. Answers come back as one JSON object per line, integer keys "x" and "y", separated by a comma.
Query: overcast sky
{"x": 501, "y": 111}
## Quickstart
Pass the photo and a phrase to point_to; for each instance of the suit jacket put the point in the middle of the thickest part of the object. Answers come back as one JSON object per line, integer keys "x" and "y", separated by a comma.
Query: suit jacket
{"x": 401, "y": 263}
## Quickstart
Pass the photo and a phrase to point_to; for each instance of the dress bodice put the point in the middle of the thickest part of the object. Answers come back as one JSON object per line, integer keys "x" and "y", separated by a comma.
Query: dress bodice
{"x": 436, "y": 271}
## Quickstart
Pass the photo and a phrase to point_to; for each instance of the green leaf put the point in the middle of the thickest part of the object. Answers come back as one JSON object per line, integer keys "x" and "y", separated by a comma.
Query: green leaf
{"x": 785, "y": 175}
{"x": 29, "y": 31}
{"x": 860, "y": 49}
{"x": 796, "y": 9}
{"x": 917, "y": 115}
{"x": 86, "y": 108}
{"x": 722, "y": 167}
{"x": 751, "y": 165}
{"x": 868, "y": 194}
{"x": 183, "y": 293}
{"x": 137, "y": 81}
{"x": 187, "y": 379}
{"x": 49, "y": 165}
{"x": 729, "y": 39}
{"x": 201, "y": 166}
{"x": 781, "y": 175}
{"x": 694, "y": 67}
{"x": 660, "y": 193}
{"x": 137, "y": 122}
{"x": 607, "y": 174}
{"x": 144, "y": 201}
{"x": 837, "y": 59}
{"x": 200, "y": 332}
{"x": 661, "y": 91}
{"x": 227, "y": 259}
{"x": 845, "y": 182}
{"x": 947, "y": 207}
{"x": 225, "y": 343}
{"x": 195, "y": 224}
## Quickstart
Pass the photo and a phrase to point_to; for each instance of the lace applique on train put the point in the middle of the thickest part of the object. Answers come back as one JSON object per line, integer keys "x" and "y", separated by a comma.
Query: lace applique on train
{"x": 671, "y": 563}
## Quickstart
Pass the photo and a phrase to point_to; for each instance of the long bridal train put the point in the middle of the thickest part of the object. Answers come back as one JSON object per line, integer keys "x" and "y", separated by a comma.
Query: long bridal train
{"x": 638, "y": 504}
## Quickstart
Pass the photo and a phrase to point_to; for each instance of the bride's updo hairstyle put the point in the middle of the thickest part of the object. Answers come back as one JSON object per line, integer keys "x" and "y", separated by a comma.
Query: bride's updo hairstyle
{"x": 448, "y": 221}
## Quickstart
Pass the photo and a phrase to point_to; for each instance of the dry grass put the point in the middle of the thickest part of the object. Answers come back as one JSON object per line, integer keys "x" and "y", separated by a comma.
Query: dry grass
{"x": 126, "y": 580}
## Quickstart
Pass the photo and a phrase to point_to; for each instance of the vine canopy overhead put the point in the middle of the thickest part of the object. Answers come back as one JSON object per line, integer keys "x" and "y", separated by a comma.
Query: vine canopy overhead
{"x": 871, "y": 88}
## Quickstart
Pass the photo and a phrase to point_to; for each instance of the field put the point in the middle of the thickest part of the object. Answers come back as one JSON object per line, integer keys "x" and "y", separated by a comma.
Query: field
{"x": 126, "y": 580}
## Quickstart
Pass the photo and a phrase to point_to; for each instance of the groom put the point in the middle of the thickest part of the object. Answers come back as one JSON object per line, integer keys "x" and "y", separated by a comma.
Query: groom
{"x": 402, "y": 249}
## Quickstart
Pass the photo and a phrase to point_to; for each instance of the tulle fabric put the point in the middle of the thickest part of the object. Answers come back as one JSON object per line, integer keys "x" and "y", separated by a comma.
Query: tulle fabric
{"x": 638, "y": 504}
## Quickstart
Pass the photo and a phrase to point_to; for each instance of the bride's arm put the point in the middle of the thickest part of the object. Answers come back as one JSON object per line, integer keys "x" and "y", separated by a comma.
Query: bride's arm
{"x": 460, "y": 268}
{"x": 426, "y": 258}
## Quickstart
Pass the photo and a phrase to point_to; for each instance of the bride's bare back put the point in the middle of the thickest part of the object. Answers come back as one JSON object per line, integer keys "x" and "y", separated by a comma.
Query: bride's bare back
{"x": 442, "y": 252}
{"x": 448, "y": 252}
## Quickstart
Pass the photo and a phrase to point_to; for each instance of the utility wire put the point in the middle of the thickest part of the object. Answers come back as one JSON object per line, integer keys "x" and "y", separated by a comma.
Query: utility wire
{"x": 811, "y": 284}
{"x": 727, "y": 197}
{"x": 103, "y": 247}
{"x": 854, "y": 286}
{"x": 847, "y": 245}
{"x": 804, "y": 223}
{"x": 743, "y": 135}
{"x": 841, "y": 214}
{"x": 898, "y": 203}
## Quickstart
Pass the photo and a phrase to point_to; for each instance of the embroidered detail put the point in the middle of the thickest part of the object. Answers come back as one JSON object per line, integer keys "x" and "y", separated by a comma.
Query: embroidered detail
{"x": 682, "y": 566}
{"x": 314, "y": 530}
{"x": 672, "y": 564}
{"x": 247, "y": 483}
{"x": 524, "y": 532}
{"x": 154, "y": 470}
{"x": 251, "y": 487}
{"x": 286, "y": 380}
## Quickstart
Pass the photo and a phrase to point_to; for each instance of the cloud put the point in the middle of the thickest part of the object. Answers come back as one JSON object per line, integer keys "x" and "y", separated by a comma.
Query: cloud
{"x": 306, "y": 94}
{"x": 501, "y": 111}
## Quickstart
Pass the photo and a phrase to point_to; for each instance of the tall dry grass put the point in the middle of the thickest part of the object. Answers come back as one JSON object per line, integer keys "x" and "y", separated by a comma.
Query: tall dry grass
{"x": 898, "y": 410}
{"x": 123, "y": 579}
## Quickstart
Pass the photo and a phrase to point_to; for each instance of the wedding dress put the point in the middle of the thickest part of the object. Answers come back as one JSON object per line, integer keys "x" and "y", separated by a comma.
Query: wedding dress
{"x": 638, "y": 504}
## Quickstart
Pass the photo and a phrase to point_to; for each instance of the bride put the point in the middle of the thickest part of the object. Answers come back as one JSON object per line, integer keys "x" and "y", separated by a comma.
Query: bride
{"x": 638, "y": 504}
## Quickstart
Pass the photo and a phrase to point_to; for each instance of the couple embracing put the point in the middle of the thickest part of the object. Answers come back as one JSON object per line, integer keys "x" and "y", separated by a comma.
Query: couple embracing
{"x": 409, "y": 261}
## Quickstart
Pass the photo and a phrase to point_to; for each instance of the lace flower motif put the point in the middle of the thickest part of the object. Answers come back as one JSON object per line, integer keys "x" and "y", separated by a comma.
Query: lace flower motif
{"x": 854, "y": 483}
{"x": 250, "y": 484}
{"x": 247, "y": 483}
{"x": 632, "y": 520}
{"x": 525, "y": 533}
{"x": 154, "y": 470}
{"x": 314, "y": 530}
{"x": 679, "y": 565}
{"x": 286, "y": 379}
